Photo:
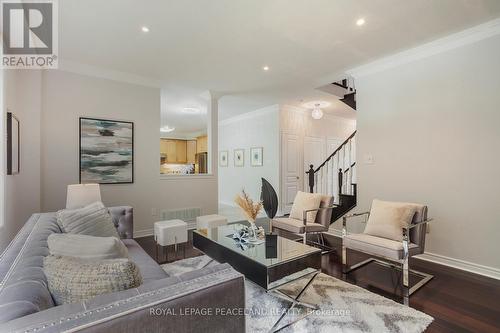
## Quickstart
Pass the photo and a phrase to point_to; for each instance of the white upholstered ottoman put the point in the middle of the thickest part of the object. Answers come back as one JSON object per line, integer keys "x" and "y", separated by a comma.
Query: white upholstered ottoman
{"x": 170, "y": 232}
{"x": 210, "y": 221}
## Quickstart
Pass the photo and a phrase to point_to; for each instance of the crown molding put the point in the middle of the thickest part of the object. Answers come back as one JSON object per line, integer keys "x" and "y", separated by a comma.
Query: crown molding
{"x": 462, "y": 38}
{"x": 249, "y": 115}
{"x": 104, "y": 73}
{"x": 307, "y": 112}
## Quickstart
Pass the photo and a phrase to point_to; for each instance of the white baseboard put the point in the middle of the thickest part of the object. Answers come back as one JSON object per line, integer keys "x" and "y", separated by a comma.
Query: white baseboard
{"x": 461, "y": 264}
{"x": 150, "y": 232}
{"x": 143, "y": 233}
{"x": 447, "y": 261}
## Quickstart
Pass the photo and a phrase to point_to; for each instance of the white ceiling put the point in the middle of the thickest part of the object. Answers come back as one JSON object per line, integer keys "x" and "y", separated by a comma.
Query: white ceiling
{"x": 187, "y": 125}
{"x": 222, "y": 45}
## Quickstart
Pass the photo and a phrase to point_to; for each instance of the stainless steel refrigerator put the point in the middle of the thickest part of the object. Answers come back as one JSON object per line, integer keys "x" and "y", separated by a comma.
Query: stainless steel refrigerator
{"x": 202, "y": 162}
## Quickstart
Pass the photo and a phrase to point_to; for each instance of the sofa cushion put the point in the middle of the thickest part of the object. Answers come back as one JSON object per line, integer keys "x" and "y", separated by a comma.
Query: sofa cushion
{"x": 296, "y": 226}
{"x": 73, "y": 279}
{"x": 86, "y": 247}
{"x": 387, "y": 219}
{"x": 93, "y": 220}
{"x": 378, "y": 246}
{"x": 150, "y": 270}
{"x": 305, "y": 201}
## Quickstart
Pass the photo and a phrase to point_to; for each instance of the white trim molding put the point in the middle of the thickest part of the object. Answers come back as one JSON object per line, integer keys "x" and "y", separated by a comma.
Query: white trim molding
{"x": 307, "y": 112}
{"x": 465, "y": 37}
{"x": 461, "y": 264}
{"x": 250, "y": 115}
{"x": 143, "y": 233}
{"x": 104, "y": 73}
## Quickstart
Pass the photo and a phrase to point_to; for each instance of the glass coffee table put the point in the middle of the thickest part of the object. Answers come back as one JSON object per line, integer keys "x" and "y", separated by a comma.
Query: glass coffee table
{"x": 270, "y": 265}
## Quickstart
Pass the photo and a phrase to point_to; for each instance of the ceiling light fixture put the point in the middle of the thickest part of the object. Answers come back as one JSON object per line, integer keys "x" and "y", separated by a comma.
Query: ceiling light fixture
{"x": 316, "y": 112}
{"x": 360, "y": 22}
{"x": 191, "y": 110}
{"x": 145, "y": 29}
{"x": 166, "y": 129}
{"x": 316, "y": 108}
{"x": 265, "y": 68}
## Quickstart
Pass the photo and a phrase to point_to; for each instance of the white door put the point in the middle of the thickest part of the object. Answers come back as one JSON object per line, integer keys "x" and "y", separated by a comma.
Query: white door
{"x": 314, "y": 153}
{"x": 292, "y": 170}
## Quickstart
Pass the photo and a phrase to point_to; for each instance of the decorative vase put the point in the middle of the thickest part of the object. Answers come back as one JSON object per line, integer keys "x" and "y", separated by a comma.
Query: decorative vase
{"x": 252, "y": 236}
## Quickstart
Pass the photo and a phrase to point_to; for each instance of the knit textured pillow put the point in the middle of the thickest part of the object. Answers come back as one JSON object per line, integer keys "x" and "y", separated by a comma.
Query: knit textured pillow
{"x": 73, "y": 280}
{"x": 93, "y": 220}
{"x": 86, "y": 247}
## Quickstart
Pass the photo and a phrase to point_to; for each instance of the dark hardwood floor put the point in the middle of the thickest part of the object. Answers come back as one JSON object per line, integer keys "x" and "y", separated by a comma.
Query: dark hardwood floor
{"x": 459, "y": 301}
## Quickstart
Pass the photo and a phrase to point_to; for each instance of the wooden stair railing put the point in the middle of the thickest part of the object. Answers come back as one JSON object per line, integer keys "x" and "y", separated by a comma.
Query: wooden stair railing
{"x": 336, "y": 176}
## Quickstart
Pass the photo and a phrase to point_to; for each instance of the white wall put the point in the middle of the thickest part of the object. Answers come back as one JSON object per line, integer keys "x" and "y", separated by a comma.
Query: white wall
{"x": 22, "y": 97}
{"x": 66, "y": 97}
{"x": 259, "y": 128}
{"x": 433, "y": 128}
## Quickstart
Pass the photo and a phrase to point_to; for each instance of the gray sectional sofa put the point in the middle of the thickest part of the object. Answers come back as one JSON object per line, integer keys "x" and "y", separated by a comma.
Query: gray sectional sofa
{"x": 158, "y": 305}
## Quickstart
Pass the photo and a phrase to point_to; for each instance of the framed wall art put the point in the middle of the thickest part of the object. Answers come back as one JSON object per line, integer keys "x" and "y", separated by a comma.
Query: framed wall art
{"x": 13, "y": 144}
{"x": 256, "y": 157}
{"x": 106, "y": 151}
{"x": 223, "y": 156}
{"x": 239, "y": 157}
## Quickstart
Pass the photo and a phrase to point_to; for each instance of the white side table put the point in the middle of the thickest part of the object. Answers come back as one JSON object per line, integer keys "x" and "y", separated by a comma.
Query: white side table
{"x": 170, "y": 232}
{"x": 210, "y": 221}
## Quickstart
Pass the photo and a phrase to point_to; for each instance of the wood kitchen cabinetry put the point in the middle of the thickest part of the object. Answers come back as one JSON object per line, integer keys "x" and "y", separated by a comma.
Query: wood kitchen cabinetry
{"x": 201, "y": 144}
{"x": 178, "y": 151}
{"x": 191, "y": 151}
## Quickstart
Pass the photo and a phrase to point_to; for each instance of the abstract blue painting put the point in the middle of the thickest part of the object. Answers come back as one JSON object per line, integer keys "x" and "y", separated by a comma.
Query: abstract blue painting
{"x": 106, "y": 151}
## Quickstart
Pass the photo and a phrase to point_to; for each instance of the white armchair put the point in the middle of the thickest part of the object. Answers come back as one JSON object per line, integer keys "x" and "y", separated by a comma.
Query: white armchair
{"x": 311, "y": 214}
{"x": 382, "y": 240}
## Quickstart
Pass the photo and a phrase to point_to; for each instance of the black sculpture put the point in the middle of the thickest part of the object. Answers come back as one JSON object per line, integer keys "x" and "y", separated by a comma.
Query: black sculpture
{"x": 269, "y": 199}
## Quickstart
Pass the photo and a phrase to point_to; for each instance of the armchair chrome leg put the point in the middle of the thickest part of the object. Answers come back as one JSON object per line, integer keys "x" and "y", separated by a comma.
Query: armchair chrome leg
{"x": 304, "y": 238}
{"x": 406, "y": 283}
{"x": 344, "y": 260}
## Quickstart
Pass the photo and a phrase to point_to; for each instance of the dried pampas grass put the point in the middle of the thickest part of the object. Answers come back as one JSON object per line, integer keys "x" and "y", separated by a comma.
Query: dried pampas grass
{"x": 249, "y": 208}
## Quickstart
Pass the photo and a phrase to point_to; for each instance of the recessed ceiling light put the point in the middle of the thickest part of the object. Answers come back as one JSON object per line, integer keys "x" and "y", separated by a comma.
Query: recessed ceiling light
{"x": 360, "y": 22}
{"x": 266, "y": 68}
{"x": 166, "y": 129}
{"x": 145, "y": 29}
{"x": 191, "y": 110}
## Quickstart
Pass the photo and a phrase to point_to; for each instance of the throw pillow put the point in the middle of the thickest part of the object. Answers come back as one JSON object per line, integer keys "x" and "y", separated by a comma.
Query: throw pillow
{"x": 86, "y": 247}
{"x": 93, "y": 220}
{"x": 305, "y": 201}
{"x": 387, "y": 219}
{"x": 73, "y": 280}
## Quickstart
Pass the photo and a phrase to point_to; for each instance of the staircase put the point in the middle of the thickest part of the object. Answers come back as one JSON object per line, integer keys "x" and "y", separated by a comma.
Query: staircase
{"x": 336, "y": 176}
{"x": 349, "y": 92}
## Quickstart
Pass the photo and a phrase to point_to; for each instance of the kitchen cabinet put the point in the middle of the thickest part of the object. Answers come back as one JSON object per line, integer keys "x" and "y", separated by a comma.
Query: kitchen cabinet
{"x": 178, "y": 151}
{"x": 191, "y": 151}
{"x": 171, "y": 151}
{"x": 180, "y": 147}
{"x": 201, "y": 144}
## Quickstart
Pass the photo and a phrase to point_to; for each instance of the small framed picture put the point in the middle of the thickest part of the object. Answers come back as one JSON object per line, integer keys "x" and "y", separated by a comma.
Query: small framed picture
{"x": 13, "y": 144}
{"x": 239, "y": 157}
{"x": 256, "y": 156}
{"x": 223, "y": 158}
